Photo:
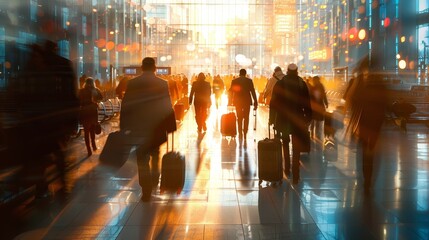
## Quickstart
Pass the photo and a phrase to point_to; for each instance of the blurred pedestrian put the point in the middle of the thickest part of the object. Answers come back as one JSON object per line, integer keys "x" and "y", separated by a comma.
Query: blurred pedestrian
{"x": 46, "y": 93}
{"x": 200, "y": 96}
{"x": 290, "y": 112}
{"x": 147, "y": 112}
{"x": 368, "y": 104}
{"x": 319, "y": 103}
{"x": 268, "y": 90}
{"x": 89, "y": 97}
{"x": 241, "y": 94}
{"x": 218, "y": 89}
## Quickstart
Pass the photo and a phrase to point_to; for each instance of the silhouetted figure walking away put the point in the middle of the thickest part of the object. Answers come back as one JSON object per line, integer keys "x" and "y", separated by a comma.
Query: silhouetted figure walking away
{"x": 200, "y": 96}
{"x": 147, "y": 112}
{"x": 268, "y": 90}
{"x": 241, "y": 93}
{"x": 319, "y": 103}
{"x": 368, "y": 104}
{"x": 89, "y": 97}
{"x": 48, "y": 103}
{"x": 290, "y": 112}
{"x": 218, "y": 89}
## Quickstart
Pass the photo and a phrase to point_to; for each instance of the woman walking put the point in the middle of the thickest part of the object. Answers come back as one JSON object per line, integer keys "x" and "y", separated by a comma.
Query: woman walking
{"x": 89, "y": 97}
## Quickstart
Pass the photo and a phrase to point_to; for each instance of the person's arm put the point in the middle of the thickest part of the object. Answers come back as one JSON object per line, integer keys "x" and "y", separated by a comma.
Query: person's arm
{"x": 191, "y": 95}
{"x": 325, "y": 98}
{"x": 231, "y": 93}
{"x": 277, "y": 89}
{"x": 253, "y": 92}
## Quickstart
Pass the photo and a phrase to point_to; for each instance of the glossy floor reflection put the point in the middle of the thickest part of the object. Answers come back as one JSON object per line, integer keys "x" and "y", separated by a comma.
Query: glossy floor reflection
{"x": 222, "y": 199}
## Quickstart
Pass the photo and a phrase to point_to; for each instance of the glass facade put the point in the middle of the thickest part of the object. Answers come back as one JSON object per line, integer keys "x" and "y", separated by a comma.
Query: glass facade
{"x": 218, "y": 36}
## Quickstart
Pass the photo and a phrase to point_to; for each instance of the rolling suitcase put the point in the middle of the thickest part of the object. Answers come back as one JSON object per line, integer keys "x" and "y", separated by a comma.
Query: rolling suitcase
{"x": 115, "y": 151}
{"x": 179, "y": 111}
{"x": 270, "y": 164}
{"x": 228, "y": 126}
{"x": 172, "y": 171}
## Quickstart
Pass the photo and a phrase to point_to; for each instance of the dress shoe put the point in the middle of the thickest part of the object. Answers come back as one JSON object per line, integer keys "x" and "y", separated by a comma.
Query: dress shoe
{"x": 146, "y": 197}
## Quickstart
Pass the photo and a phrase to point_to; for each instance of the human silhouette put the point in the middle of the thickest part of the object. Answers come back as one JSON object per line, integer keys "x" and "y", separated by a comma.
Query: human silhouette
{"x": 200, "y": 96}
{"x": 268, "y": 90}
{"x": 319, "y": 103}
{"x": 89, "y": 97}
{"x": 147, "y": 113}
{"x": 218, "y": 89}
{"x": 368, "y": 102}
{"x": 290, "y": 112}
{"x": 241, "y": 94}
{"x": 47, "y": 100}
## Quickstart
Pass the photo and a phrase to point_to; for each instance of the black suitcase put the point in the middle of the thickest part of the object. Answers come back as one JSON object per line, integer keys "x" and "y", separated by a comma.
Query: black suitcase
{"x": 172, "y": 171}
{"x": 270, "y": 164}
{"x": 115, "y": 151}
{"x": 228, "y": 125}
{"x": 179, "y": 111}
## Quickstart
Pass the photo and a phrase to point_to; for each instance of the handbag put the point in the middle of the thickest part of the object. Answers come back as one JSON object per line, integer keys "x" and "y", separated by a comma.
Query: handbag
{"x": 97, "y": 128}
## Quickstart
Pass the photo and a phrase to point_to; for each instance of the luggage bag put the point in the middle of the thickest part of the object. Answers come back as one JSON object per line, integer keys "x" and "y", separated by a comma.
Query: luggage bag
{"x": 228, "y": 126}
{"x": 172, "y": 171}
{"x": 115, "y": 151}
{"x": 270, "y": 164}
{"x": 179, "y": 111}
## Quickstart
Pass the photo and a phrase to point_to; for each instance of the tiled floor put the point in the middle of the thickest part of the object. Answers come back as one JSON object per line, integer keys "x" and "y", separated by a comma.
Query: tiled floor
{"x": 223, "y": 200}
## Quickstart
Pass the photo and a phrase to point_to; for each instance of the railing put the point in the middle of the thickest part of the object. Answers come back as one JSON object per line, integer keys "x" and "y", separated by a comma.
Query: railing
{"x": 106, "y": 110}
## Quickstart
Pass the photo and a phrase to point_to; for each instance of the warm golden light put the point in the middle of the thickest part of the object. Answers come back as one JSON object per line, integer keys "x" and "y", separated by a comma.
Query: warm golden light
{"x": 402, "y": 64}
{"x": 362, "y": 34}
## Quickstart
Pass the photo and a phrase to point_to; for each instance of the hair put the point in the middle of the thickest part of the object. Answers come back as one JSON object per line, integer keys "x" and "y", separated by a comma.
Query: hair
{"x": 277, "y": 69}
{"x": 89, "y": 82}
{"x": 316, "y": 78}
{"x": 148, "y": 64}
{"x": 243, "y": 72}
{"x": 201, "y": 77}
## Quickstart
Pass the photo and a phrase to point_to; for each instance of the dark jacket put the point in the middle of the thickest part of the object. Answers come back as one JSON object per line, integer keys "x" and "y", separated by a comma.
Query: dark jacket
{"x": 242, "y": 91}
{"x": 89, "y": 97}
{"x": 290, "y": 109}
{"x": 319, "y": 101}
{"x": 202, "y": 92}
{"x": 146, "y": 109}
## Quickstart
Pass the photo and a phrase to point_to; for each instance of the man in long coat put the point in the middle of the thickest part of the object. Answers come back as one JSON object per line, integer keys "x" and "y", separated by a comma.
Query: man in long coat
{"x": 147, "y": 112}
{"x": 290, "y": 112}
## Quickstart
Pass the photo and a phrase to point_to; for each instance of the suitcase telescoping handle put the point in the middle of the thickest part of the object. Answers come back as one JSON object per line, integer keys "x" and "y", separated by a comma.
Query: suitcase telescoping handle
{"x": 172, "y": 141}
{"x": 254, "y": 125}
{"x": 269, "y": 131}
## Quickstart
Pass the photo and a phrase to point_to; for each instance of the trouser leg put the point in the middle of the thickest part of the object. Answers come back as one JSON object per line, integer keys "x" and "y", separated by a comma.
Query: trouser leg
{"x": 92, "y": 135}
{"x": 240, "y": 116}
{"x": 145, "y": 181}
{"x": 86, "y": 131}
{"x": 246, "y": 112}
{"x": 286, "y": 153}
{"x": 198, "y": 117}
{"x": 155, "y": 168}
{"x": 295, "y": 157}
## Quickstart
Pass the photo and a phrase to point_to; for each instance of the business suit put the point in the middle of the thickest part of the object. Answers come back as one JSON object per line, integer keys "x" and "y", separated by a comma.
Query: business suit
{"x": 147, "y": 112}
{"x": 241, "y": 93}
